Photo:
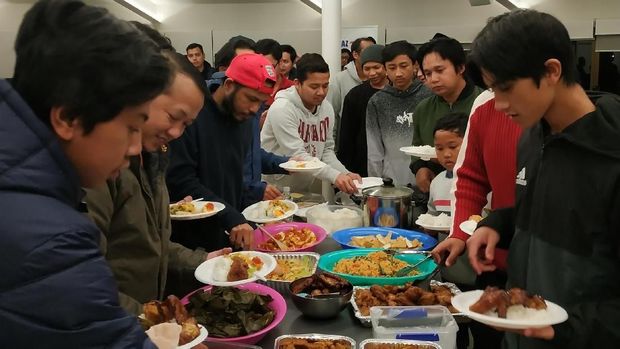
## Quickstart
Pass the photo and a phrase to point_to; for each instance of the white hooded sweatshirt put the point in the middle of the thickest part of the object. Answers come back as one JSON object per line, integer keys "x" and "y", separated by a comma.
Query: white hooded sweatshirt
{"x": 292, "y": 130}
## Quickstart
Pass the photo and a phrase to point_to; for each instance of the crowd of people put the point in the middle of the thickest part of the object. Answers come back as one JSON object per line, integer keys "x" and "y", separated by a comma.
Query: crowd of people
{"x": 105, "y": 124}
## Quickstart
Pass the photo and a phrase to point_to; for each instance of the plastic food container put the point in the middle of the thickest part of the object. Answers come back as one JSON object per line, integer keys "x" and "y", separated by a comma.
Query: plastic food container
{"x": 335, "y": 217}
{"x": 314, "y": 337}
{"x": 223, "y": 345}
{"x": 425, "y": 323}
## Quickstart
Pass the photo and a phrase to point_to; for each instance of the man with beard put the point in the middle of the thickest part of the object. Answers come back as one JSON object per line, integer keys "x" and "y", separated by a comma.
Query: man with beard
{"x": 207, "y": 161}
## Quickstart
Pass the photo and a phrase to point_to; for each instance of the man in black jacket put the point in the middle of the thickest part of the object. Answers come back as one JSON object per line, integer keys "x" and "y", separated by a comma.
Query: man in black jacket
{"x": 564, "y": 233}
{"x": 207, "y": 161}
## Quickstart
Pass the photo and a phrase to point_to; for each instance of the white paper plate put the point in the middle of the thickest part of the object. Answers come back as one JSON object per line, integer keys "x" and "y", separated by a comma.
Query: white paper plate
{"x": 201, "y": 337}
{"x": 422, "y": 152}
{"x": 199, "y": 213}
{"x": 302, "y": 212}
{"x": 554, "y": 313}
{"x": 433, "y": 227}
{"x": 204, "y": 272}
{"x": 303, "y": 166}
{"x": 250, "y": 213}
{"x": 468, "y": 226}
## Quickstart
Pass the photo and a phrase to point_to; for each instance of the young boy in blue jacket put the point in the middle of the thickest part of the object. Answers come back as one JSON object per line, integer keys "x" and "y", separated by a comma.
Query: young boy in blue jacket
{"x": 71, "y": 118}
{"x": 564, "y": 231}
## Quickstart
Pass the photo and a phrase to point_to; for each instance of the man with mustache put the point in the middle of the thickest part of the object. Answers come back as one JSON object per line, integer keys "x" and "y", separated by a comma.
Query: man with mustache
{"x": 207, "y": 161}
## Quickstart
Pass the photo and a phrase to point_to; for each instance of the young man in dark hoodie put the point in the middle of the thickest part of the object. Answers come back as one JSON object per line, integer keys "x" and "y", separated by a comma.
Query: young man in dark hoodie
{"x": 353, "y": 151}
{"x": 442, "y": 61}
{"x": 71, "y": 118}
{"x": 563, "y": 237}
{"x": 207, "y": 161}
{"x": 390, "y": 115}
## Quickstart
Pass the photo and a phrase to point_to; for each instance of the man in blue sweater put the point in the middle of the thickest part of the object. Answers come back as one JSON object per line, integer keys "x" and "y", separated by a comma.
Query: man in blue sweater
{"x": 71, "y": 117}
{"x": 207, "y": 161}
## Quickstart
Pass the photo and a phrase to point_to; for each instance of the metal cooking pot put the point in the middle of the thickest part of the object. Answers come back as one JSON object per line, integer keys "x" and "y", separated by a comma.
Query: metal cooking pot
{"x": 388, "y": 206}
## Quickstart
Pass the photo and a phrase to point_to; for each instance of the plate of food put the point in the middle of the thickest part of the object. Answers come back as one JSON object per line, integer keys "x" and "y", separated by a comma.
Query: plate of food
{"x": 270, "y": 211}
{"x": 424, "y": 152}
{"x": 236, "y": 268}
{"x": 442, "y": 222}
{"x": 291, "y": 266}
{"x": 242, "y": 314}
{"x": 470, "y": 225}
{"x": 514, "y": 309}
{"x": 376, "y": 237}
{"x": 369, "y": 266}
{"x": 172, "y": 310}
{"x": 194, "y": 210}
{"x": 312, "y": 165}
{"x": 297, "y": 237}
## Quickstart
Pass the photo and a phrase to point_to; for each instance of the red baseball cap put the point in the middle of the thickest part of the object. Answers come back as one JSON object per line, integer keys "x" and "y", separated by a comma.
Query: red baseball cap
{"x": 252, "y": 71}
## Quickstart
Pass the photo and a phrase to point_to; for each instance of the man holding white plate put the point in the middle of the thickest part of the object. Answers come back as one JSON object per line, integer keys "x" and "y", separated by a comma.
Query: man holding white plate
{"x": 300, "y": 123}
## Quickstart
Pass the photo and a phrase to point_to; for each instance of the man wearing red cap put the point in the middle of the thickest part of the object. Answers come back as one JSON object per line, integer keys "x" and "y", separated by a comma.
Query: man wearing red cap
{"x": 207, "y": 161}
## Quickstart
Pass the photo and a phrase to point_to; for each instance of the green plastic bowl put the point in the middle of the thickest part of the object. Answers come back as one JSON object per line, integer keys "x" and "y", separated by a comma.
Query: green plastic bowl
{"x": 328, "y": 260}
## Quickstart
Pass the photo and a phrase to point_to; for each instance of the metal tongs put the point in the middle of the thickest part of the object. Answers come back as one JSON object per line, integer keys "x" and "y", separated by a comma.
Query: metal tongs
{"x": 280, "y": 244}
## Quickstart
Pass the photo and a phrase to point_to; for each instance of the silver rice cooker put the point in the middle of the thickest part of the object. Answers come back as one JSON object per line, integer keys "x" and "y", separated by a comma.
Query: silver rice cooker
{"x": 388, "y": 206}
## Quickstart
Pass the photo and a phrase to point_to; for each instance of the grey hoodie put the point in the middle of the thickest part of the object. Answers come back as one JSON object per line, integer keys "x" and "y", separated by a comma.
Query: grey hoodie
{"x": 292, "y": 130}
{"x": 341, "y": 84}
{"x": 389, "y": 126}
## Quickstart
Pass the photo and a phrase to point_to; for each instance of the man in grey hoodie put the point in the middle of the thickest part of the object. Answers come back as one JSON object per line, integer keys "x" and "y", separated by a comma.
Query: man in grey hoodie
{"x": 389, "y": 115}
{"x": 344, "y": 81}
{"x": 300, "y": 123}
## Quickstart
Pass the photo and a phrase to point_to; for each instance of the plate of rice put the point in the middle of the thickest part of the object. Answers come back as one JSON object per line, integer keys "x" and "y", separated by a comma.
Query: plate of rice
{"x": 517, "y": 317}
{"x": 442, "y": 222}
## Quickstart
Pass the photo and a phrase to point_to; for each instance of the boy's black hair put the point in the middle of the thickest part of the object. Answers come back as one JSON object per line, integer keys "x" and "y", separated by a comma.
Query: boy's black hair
{"x": 517, "y": 44}
{"x": 268, "y": 47}
{"x": 454, "y": 122}
{"x": 194, "y": 45}
{"x": 447, "y": 48}
{"x": 310, "y": 63}
{"x": 356, "y": 45}
{"x": 84, "y": 59}
{"x": 290, "y": 50}
{"x": 178, "y": 62}
{"x": 227, "y": 52}
{"x": 161, "y": 40}
{"x": 398, "y": 48}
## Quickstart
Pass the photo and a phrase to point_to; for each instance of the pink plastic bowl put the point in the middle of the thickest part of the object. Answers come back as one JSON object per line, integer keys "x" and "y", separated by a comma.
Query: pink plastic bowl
{"x": 260, "y": 237}
{"x": 278, "y": 305}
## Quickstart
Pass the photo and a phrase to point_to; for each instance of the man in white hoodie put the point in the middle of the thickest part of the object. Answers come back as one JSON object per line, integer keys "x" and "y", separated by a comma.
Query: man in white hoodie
{"x": 300, "y": 123}
{"x": 344, "y": 81}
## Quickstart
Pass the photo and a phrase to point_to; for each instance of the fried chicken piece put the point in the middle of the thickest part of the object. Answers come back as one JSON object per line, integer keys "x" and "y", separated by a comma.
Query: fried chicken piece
{"x": 302, "y": 285}
{"x": 413, "y": 293}
{"x": 379, "y": 292}
{"x": 189, "y": 331}
{"x": 157, "y": 312}
{"x": 402, "y": 299}
{"x": 302, "y": 343}
{"x": 178, "y": 309}
{"x": 427, "y": 298}
{"x": 517, "y": 296}
{"x": 537, "y": 302}
{"x": 443, "y": 294}
{"x": 238, "y": 270}
{"x": 492, "y": 299}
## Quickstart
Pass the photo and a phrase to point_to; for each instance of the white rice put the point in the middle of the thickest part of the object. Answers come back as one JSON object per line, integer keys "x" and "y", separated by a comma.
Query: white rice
{"x": 221, "y": 269}
{"x": 443, "y": 220}
{"x": 520, "y": 313}
{"x": 332, "y": 221}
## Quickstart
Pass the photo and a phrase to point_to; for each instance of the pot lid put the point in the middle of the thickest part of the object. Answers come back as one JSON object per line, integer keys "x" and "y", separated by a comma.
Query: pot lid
{"x": 388, "y": 190}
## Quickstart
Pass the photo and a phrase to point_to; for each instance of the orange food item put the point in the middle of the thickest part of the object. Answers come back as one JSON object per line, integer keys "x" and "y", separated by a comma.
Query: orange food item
{"x": 293, "y": 239}
{"x": 209, "y": 207}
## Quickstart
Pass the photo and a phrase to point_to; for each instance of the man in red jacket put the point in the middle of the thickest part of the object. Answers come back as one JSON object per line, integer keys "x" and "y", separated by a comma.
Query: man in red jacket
{"x": 486, "y": 163}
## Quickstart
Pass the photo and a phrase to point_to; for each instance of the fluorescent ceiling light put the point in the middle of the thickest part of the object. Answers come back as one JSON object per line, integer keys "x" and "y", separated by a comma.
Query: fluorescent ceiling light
{"x": 316, "y": 5}
{"x": 514, "y": 4}
{"x": 145, "y": 8}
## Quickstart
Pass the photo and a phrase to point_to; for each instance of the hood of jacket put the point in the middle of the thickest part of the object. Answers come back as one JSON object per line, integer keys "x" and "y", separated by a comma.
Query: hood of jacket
{"x": 351, "y": 69}
{"x": 30, "y": 153}
{"x": 413, "y": 89}
{"x": 291, "y": 95}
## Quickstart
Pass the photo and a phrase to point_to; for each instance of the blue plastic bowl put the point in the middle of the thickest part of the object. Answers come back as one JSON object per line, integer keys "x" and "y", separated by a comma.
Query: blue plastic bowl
{"x": 343, "y": 237}
{"x": 328, "y": 261}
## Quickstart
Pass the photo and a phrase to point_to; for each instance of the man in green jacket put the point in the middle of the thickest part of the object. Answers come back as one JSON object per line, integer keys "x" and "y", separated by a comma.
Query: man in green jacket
{"x": 132, "y": 210}
{"x": 442, "y": 60}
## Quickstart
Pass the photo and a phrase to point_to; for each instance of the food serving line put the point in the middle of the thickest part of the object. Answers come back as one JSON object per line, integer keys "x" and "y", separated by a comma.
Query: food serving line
{"x": 316, "y": 305}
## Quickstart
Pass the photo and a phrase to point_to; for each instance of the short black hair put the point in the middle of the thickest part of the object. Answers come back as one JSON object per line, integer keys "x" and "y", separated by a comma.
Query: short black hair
{"x": 194, "y": 45}
{"x": 226, "y": 53}
{"x": 82, "y": 58}
{"x": 310, "y": 63}
{"x": 397, "y": 48}
{"x": 161, "y": 40}
{"x": 517, "y": 44}
{"x": 290, "y": 50}
{"x": 268, "y": 47}
{"x": 454, "y": 122}
{"x": 447, "y": 48}
{"x": 356, "y": 45}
